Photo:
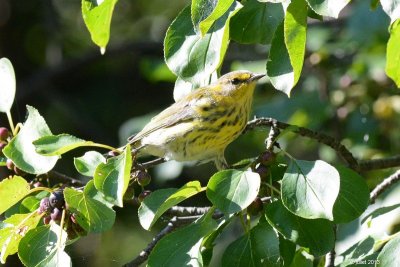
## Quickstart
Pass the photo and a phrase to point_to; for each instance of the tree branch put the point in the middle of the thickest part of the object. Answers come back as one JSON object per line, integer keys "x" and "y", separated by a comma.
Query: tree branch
{"x": 384, "y": 185}
{"x": 58, "y": 177}
{"x": 320, "y": 137}
{"x": 374, "y": 164}
{"x": 174, "y": 223}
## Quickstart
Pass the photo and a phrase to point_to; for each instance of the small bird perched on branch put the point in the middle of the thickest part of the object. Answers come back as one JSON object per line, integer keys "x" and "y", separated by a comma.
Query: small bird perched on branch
{"x": 199, "y": 126}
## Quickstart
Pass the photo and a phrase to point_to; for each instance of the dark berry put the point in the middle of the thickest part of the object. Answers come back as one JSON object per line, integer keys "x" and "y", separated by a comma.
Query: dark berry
{"x": 143, "y": 177}
{"x": 37, "y": 184}
{"x": 263, "y": 171}
{"x": 4, "y": 133}
{"x": 112, "y": 153}
{"x": 57, "y": 199}
{"x": 255, "y": 207}
{"x": 44, "y": 206}
{"x": 10, "y": 164}
{"x": 46, "y": 220}
{"x": 267, "y": 157}
{"x": 2, "y": 145}
{"x": 56, "y": 215}
{"x": 73, "y": 217}
{"x": 143, "y": 195}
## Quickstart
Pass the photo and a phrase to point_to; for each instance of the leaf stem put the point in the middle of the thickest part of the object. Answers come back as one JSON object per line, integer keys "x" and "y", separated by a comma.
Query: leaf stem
{"x": 40, "y": 189}
{"x": 10, "y": 121}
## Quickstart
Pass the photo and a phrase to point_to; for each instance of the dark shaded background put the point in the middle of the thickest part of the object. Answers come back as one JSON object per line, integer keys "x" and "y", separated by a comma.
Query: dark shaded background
{"x": 343, "y": 91}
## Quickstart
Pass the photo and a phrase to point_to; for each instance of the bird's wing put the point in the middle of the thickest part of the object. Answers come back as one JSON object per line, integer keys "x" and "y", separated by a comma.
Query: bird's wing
{"x": 180, "y": 111}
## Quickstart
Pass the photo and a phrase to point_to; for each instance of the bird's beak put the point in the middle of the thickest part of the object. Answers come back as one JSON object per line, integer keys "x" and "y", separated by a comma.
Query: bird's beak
{"x": 256, "y": 76}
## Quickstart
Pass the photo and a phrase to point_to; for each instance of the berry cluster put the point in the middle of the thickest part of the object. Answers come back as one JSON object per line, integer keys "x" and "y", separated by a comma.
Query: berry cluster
{"x": 264, "y": 162}
{"x": 52, "y": 207}
{"x": 143, "y": 178}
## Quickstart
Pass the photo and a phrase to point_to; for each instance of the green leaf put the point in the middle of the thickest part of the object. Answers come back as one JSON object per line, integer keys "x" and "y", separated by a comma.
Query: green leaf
{"x": 302, "y": 259}
{"x": 379, "y": 211}
{"x": 310, "y": 188}
{"x": 392, "y": 8}
{"x": 390, "y": 254}
{"x": 286, "y": 55}
{"x": 393, "y": 54}
{"x": 358, "y": 252}
{"x": 21, "y": 150}
{"x": 44, "y": 246}
{"x": 12, "y": 190}
{"x": 353, "y": 198}
{"x": 92, "y": 192}
{"x": 29, "y": 204}
{"x": 256, "y": 22}
{"x": 160, "y": 201}
{"x": 192, "y": 57}
{"x": 7, "y": 85}
{"x": 232, "y": 190}
{"x": 91, "y": 214}
{"x": 15, "y": 228}
{"x": 205, "y": 13}
{"x": 295, "y": 28}
{"x": 56, "y": 145}
{"x": 258, "y": 247}
{"x": 287, "y": 251}
{"x": 87, "y": 164}
{"x": 182, "y": 247}
{"x": 316, "y": 234}
{"x": 329, "y": 8}
{"x": 112, "y": 178}
{"x": 97, "y": 16}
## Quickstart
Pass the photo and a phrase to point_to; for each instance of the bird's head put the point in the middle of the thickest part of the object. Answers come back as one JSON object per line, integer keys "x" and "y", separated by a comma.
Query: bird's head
{"x": 239, "y": 82}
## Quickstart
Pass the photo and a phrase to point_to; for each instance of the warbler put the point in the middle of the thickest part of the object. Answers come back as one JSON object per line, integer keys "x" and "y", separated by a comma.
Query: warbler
{"x": 200, "y": 125}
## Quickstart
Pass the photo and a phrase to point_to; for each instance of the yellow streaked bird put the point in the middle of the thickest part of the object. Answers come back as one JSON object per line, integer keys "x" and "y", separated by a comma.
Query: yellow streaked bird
{"x": 199, "y": 126}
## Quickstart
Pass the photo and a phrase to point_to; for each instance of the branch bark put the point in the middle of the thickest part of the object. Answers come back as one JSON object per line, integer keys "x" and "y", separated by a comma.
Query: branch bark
{"x": 384, "y": 185}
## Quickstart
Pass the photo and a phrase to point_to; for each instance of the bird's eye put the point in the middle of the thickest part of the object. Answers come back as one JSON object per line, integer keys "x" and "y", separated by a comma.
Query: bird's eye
{"x": 236, "y": 81}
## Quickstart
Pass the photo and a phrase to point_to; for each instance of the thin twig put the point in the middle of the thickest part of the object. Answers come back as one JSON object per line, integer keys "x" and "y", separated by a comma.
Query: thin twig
{"x": 171, "y": 226}
{"x": 57, "y": 177}
{"x": 384, "y": 185}
{"x": 330, "y": 257}
{"x": 384, "y": 163}
{"x": 320, "y": 137}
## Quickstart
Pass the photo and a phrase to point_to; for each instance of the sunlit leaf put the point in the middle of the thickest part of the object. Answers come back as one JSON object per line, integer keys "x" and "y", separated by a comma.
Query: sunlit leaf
{"x": 206, "y": 12}
{"x": 161, "y": 200}
{"x": 192, "y": 57}
{"x": 44, "y": 246}
{"x": 12, "y": 190}
{"x": 310, "y": 188}
{"x": 286, "y": 55}
{"x": 7, "y": 85}
{"x": 87, "y": 164}
{"x": 232, "y": 190}
{"x": 53, "y": 145}
{"x": 21, "y": 149}
{"x": 390, "y": 254}
{"x": 330, "y": 8}
{"x": 15, "y": 228}
{"x": 393, "y": 54}
{"x": 90, "y": 213}
{"x": 97, "y": 15}
{"x": 112, "y": 178}
{"x": 392, "y": 8}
